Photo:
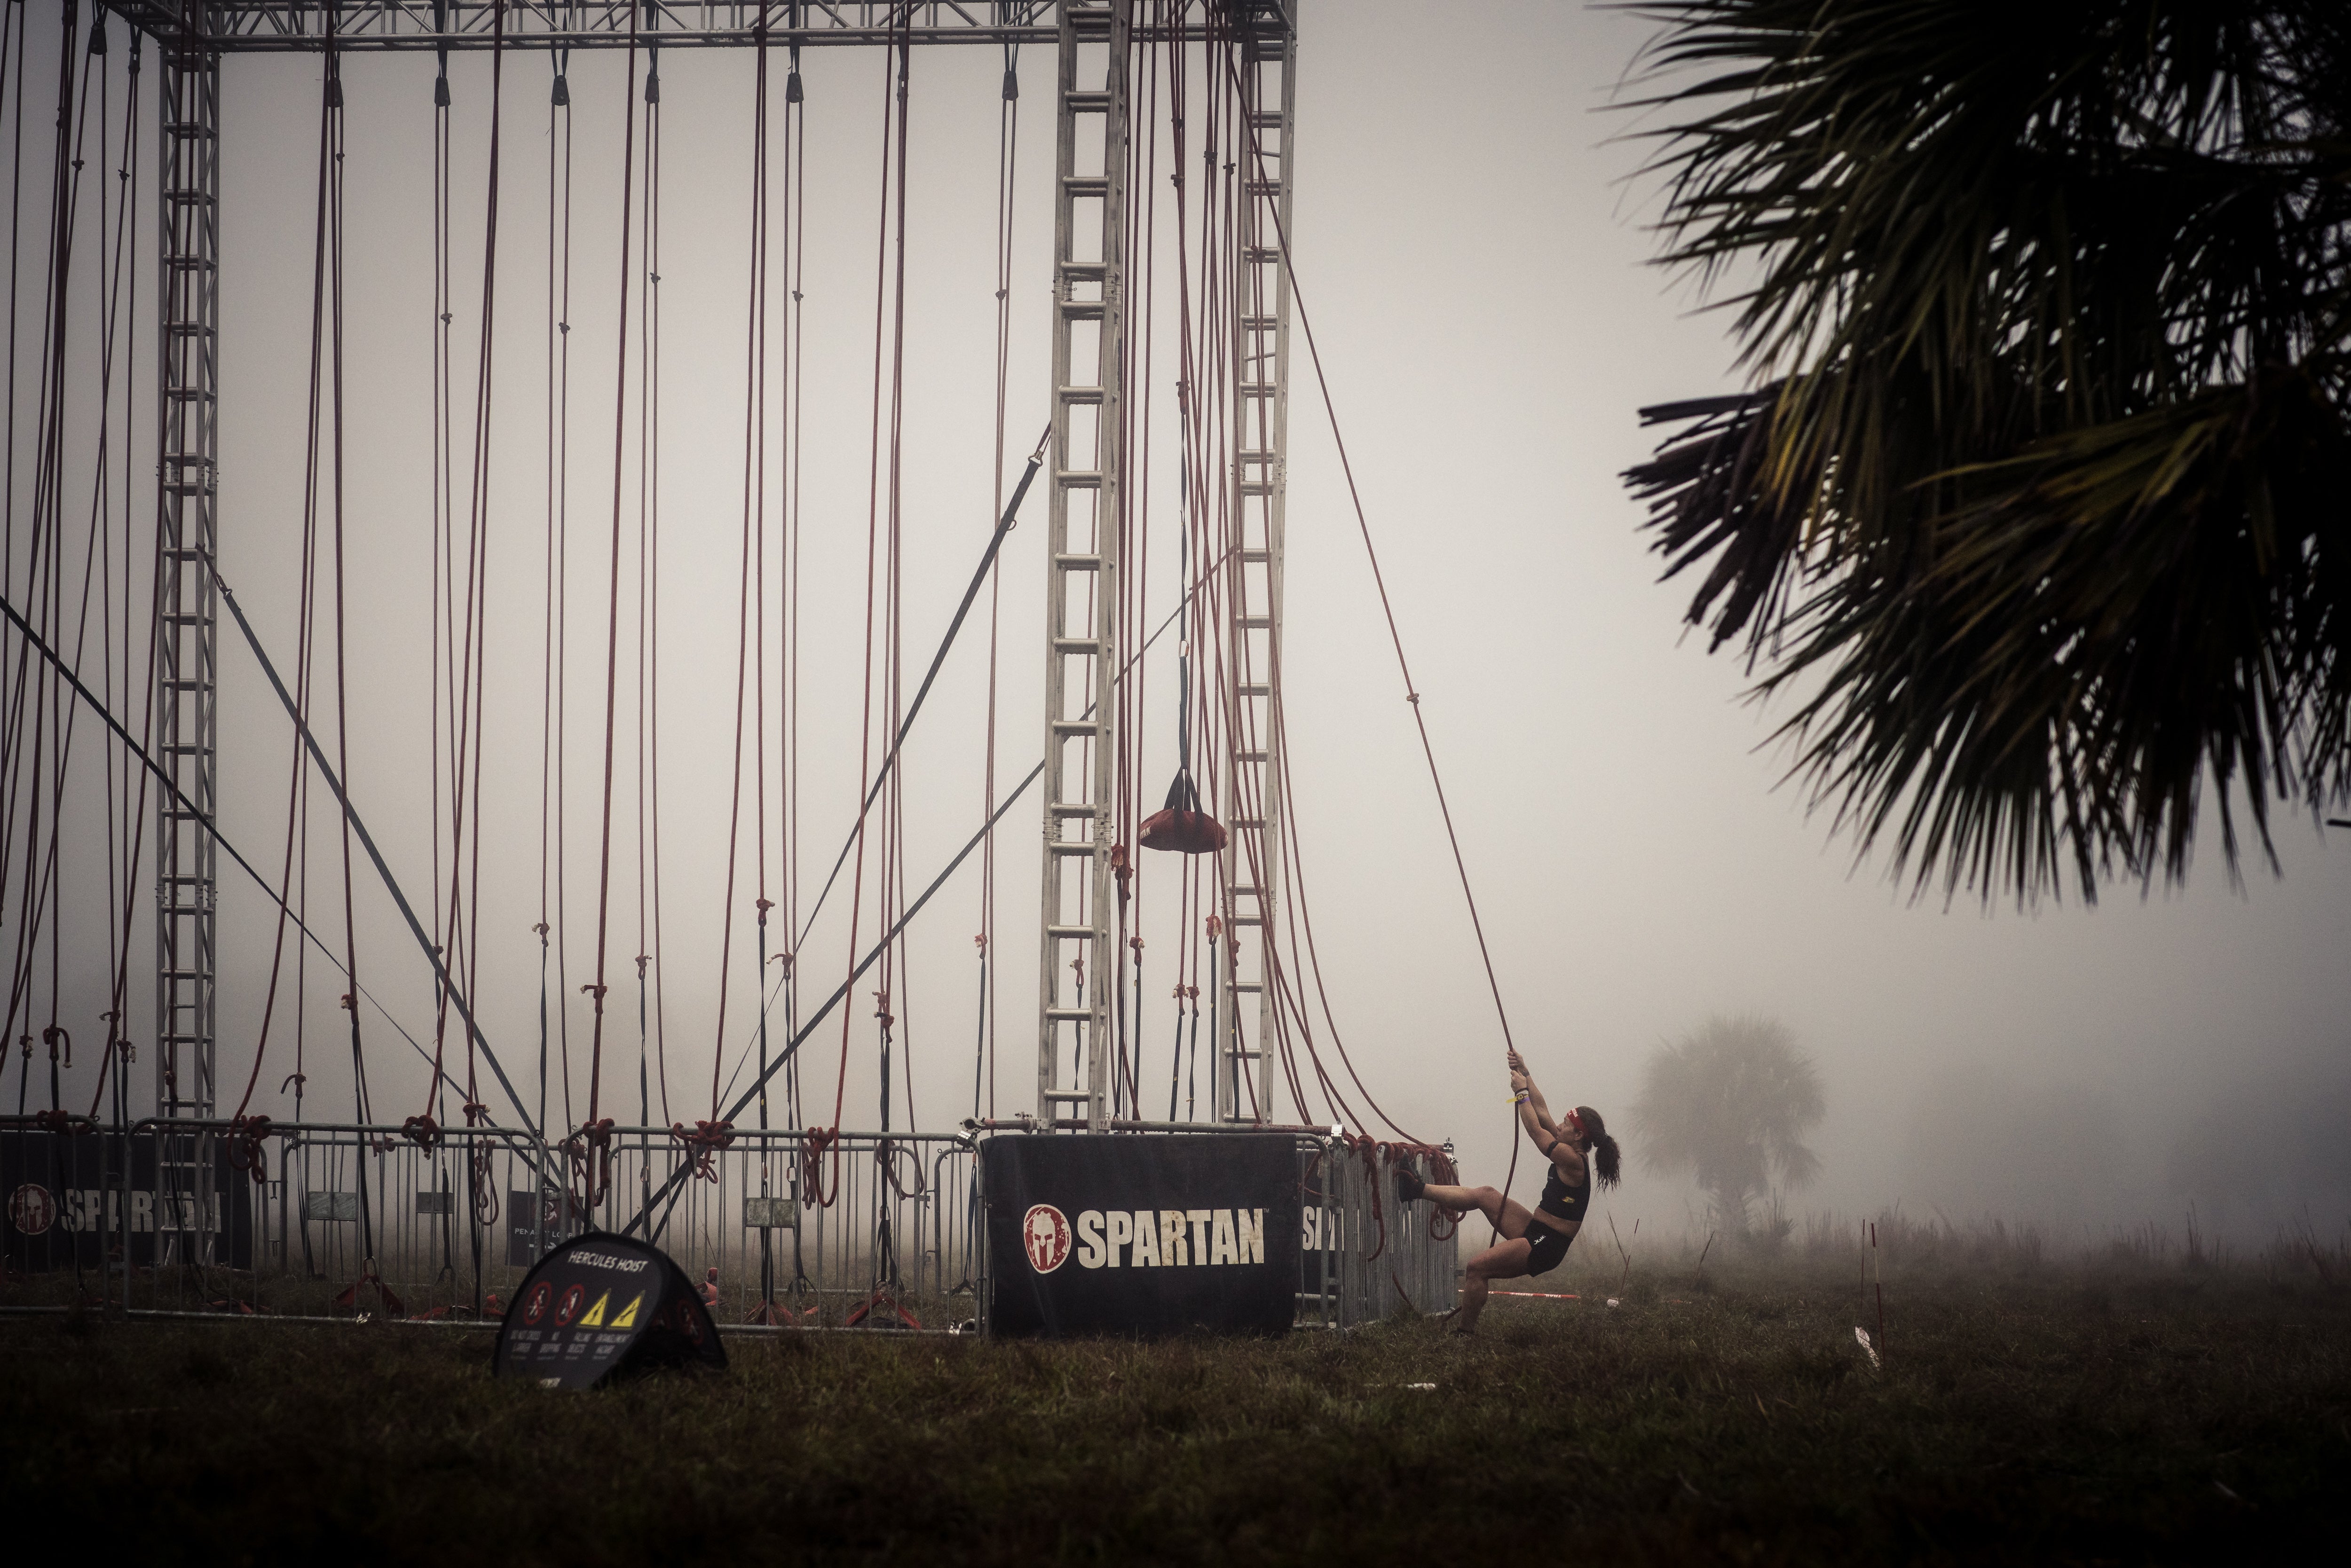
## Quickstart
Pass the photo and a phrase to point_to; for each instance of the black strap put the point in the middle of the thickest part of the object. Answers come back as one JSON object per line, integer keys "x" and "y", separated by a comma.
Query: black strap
{"x": 1183, "y": 795}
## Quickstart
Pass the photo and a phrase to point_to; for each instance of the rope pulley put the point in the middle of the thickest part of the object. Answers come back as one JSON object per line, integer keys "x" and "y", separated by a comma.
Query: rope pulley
{"x": 1181, "y": 826}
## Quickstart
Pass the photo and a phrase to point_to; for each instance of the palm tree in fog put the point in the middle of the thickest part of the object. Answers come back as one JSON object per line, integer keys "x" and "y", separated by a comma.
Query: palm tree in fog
{"x": 1729, "y": 1104}
{"x": 2035, "y": 503}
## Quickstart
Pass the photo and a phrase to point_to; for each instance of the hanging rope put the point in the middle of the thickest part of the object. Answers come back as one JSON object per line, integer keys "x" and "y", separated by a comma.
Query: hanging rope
{"x": 652, "y": 1015}
{"x": 1395, "y": 636}
{"x": 554, "y": 721}
{"x": 1007, "y": 140}
{"x": 594, "y": 1160}
{"x": 749, "y": 627}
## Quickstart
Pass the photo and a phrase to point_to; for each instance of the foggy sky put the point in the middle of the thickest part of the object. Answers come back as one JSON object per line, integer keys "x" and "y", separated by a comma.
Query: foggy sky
{"x": 1470, "y": 242}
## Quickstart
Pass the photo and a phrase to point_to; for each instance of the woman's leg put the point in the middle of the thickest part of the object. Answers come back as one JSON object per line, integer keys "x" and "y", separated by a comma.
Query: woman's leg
{"x": 1506, "y": 1260}
{"x": 1488, "y": 1201}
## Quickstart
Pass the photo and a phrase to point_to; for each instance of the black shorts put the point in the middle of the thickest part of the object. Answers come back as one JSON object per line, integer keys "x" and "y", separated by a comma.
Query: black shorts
{"x": 1548, "y": 1247}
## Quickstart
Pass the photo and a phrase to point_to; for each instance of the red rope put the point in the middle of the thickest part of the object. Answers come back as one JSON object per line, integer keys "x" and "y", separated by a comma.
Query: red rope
{"x": 468, "y": 728}
{"x": 707, "y": 1139}
{"x": 598, "y": 1183}
{"x": 830, "y": 1136}
{"x": 751, "y": 576}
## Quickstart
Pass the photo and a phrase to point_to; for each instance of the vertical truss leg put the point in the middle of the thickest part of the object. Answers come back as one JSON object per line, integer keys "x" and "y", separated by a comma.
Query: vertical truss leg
{"x": 186, "y": 669}
{"x": 1077, "y": 953}
{"x": 1252, "y": 864}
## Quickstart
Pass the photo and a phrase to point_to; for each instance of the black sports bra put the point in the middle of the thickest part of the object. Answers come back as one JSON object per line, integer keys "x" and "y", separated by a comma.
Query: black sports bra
{"x": 1561, "y": 1201}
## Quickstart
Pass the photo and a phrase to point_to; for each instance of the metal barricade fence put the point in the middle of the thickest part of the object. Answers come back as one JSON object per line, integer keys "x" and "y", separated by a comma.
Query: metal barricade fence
{"x": 1365, "y": 1254}
{"x": 344, "y": 1219}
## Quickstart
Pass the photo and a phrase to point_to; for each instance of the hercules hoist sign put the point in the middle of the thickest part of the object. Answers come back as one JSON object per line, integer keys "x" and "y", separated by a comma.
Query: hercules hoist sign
{"x": 601, "y": 1305}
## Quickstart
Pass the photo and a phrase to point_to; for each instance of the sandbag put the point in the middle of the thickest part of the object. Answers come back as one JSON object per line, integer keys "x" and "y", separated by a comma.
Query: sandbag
{"x": 1182, "y": 828}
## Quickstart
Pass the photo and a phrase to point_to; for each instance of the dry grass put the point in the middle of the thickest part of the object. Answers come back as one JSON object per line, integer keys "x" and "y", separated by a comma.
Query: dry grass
{"x": 2126, "y": 1410}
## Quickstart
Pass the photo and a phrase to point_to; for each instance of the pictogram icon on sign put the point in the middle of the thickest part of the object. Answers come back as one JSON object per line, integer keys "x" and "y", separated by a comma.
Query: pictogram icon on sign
{"x": 595, "y": 1318}
{"x": 1045, "y": 1237}
{"x": 570, "y": 1306}
{"x": 628, "y": 1318}
{"x": 534, "y": 1306}
{"x": 32, "y": 1209}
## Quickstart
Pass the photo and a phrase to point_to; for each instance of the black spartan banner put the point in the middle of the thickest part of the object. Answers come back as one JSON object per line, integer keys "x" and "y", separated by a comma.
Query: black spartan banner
{"x": 601, "y": 1305}
{"x": 1104, "y": 1233}
{"x": 65, "y": 1202}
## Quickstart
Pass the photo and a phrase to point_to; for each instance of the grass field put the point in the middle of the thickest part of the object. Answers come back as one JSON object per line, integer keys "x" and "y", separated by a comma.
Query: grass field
{"x": 2134, "y": 1407}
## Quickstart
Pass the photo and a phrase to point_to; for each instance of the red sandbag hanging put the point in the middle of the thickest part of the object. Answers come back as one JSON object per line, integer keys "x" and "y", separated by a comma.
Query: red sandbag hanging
{"x": 1182, "y": 828}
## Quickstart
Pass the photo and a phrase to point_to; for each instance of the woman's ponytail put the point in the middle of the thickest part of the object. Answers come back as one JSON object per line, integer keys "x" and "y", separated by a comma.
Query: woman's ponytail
{"x": 1606, "y": 1159}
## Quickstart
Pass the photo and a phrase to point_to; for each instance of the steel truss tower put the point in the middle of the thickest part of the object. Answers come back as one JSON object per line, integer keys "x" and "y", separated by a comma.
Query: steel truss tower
{"x": 1094, "y": 39}
{"x": 1077, "y": 956}
{"x": 187, "y": 666}
{"x": 1250, "y": 867}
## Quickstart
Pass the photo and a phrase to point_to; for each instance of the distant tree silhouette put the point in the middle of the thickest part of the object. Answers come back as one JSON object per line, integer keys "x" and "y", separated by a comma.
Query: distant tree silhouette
{"x": 1729, "y": 1103}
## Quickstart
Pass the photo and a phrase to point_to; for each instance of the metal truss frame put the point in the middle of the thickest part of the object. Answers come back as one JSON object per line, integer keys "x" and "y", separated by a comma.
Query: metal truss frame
{"x": 264, "y": 26}
{"x": 1078, "y": 901}
{"x": 187, "y": 644}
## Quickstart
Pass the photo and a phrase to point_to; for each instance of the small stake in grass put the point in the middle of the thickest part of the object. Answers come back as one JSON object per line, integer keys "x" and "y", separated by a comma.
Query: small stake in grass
{"x": 1878, "y": 1265}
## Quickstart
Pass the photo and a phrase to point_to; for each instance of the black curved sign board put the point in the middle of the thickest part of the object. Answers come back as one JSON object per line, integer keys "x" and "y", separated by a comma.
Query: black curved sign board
{"x": 1156, "y": 1234}
{"x": 599, "y": 1304}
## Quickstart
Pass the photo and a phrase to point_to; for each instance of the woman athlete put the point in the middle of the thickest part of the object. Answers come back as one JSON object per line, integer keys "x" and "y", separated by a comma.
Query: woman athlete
{"x": 1532, "y": 1242}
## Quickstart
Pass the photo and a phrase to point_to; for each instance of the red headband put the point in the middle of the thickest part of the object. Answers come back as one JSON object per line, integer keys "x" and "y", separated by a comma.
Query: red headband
{"x": 1576, "y": 1122}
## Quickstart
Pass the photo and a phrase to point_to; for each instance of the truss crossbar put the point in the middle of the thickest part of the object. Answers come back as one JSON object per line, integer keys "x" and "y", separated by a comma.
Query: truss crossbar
{"x": 1251, "y": 865}
{"x": 266, "y": 26}
{"x": 187, "y": 667}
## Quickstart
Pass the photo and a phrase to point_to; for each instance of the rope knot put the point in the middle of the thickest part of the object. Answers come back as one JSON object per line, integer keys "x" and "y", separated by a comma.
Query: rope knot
{"x": 814, "y": 1144}
{"x": 589, "y": 1152}
{"x": 423, "y": 1131}
{"x": 244, "y": 1150}
{"x": 707, "y": 1139}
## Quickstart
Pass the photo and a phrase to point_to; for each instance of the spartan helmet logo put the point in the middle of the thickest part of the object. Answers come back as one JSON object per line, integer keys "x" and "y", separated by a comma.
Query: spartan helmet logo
{"x": 1045, "y": 1236}
{"x": 32, "y": 1210}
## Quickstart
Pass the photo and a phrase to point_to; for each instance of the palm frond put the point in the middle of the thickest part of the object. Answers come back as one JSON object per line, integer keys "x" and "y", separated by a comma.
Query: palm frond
{"x": 2037, "y": 496}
